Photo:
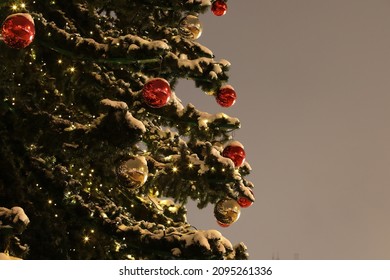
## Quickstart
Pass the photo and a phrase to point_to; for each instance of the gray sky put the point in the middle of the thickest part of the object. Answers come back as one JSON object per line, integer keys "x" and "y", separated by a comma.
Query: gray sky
{"x": 313, "y": 80}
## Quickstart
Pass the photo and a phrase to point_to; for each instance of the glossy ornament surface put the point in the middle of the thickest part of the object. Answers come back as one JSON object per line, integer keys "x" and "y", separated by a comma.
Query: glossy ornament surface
{"x": 235, "y": 151}
{"x": 226, "y": 96}
{"x": 219, "y": 7}
{"x": 190, "y": 27}
{"x": 227, "y": 211}
{"x": 245, "y": 202}
{"x": 133, "y": 173}
{"x": 18, "y": 30}
{"x": 156, "y": 92}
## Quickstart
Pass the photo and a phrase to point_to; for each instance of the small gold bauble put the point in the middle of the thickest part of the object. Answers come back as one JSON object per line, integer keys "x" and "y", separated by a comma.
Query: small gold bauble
{"x": 133, "y": 172}
{"x": 227, "y": 211}
{"x": 190, "y": 27}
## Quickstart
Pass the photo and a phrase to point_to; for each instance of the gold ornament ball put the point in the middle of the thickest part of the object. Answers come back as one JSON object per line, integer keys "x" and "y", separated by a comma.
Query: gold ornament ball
{"x": 133, "y": 172}
{"x": 190, "y": 27}
{"x": 227, "y": 211}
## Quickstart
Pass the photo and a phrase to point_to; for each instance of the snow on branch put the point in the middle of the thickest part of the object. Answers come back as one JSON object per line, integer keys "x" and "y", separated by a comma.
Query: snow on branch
{"x": 134, "y": 123}
{"x": 118, "y": 105}
{"x": 14, "y": 218}
{"x": 199, "y": 2}
{"x": 74, "y": 45}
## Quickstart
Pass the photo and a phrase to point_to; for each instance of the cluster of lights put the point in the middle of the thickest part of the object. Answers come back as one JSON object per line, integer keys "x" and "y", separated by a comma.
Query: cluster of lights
{"x": 13, "y": 99}
{"x": 87, "y": 238}
{"x": 16, "y": 6}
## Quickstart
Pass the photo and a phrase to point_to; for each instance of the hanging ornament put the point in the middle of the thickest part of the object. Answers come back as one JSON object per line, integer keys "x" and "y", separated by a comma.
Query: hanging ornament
{"x": 156, "y": 92}
{"x": 226, "y": 96}
{"x": 18, "y": 30}
{"x": 235, "y": 151}
{"x": 133, "y": 173}
{"x": 219, "y": 7}
{"x": 222, "y": 224}
{"x": 227, "y": 211}
{"x": 190, "y": 27}
{"x": 245, "y": 202}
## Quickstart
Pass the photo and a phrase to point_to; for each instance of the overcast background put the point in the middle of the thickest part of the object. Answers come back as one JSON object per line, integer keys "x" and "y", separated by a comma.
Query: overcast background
{"x": 313, "y": 80}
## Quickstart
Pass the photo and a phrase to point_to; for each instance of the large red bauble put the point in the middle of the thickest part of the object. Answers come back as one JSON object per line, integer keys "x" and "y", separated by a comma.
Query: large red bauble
{"x": 219, "y": 7}
{"x": 226, "y": 96}
{"x": 235, "y": 151}
{"x": 18, "y": 30}
{"x": 156, "y": 92}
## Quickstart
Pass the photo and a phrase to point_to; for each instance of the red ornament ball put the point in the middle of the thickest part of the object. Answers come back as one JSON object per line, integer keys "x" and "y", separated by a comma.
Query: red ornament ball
{"x": 18, "y": 30}
{"x": 222, "y": 224}
{"x": 235, "y": 151}
{"x": 219, "y": 7}
{"x": 226, "y": 96}
{"x": 156, "y": 92}
{"x": 245, "y": 202}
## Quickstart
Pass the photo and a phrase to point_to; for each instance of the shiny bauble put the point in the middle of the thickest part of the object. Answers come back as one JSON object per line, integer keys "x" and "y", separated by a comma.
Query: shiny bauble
{"x": 18, "y": 30}
{"x": 156, "y": 92}
{"x": 222, "y": 224}
{"x": 190, "y": 27}
{"x": 226, "y": 96}
{"x": 227, "y": 211}
{"x": 245, "y": 202}
{"x": 235, "y": 151}
{"x": 133, "y": 173}
{"x": 219, "y": 7}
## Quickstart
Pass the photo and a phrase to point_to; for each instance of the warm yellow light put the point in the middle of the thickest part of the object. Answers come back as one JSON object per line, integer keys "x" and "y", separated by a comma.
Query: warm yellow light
{"x": 174, "y": 169}
{"x": 86, "y": 239}
{"x": 59, "y": 61}
{"x": 190, "y": 165}
{"x": 14, "y": 7}
{"x": 117, "y": 246}
{"x": 72, "y": 69}
{"x": 50, "y": 201}
{"x": 23, "y": 5}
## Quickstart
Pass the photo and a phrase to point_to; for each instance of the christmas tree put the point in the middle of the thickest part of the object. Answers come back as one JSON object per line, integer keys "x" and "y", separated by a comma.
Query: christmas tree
{"x": 98, "y": 154}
